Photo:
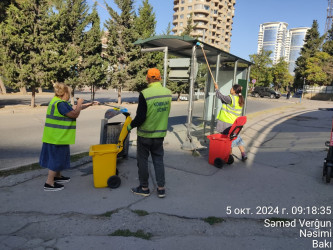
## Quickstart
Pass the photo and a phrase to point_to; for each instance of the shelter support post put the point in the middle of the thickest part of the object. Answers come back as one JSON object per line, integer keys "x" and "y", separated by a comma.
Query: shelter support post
{"x": 188, "y": 143}
{"x": 247, "y": 82}
{"x": 217, "y": 71}
{"x": 165, "y": 50}
{"x": 235, "y": 73}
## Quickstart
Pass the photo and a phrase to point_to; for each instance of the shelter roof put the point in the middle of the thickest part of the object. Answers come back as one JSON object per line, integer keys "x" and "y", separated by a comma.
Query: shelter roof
{"x": 182, "y": 46}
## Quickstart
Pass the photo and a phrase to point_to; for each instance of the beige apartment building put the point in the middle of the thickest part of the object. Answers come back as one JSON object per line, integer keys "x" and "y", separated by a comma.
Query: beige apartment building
{"x": 212, "y": 20}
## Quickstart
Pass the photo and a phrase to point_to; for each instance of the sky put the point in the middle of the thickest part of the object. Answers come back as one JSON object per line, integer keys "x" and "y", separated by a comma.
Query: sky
{"x": 249, "y": 14}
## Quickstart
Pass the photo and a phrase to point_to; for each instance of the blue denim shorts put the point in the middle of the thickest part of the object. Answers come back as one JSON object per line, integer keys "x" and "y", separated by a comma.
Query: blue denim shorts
{"x": 238, "y": 142}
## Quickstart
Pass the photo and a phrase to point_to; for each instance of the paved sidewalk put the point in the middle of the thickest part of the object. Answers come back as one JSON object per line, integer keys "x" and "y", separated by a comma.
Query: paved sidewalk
{"x": 283, "y": 173}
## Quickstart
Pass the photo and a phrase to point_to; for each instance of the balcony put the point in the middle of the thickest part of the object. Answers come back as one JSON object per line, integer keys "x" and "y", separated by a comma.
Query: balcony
{"x": 201, "y": 18}
{"x": 204, "y": 11}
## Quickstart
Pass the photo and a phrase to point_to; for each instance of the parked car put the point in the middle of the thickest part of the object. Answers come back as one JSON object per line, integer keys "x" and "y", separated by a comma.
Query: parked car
{"x": 265, "y": 91}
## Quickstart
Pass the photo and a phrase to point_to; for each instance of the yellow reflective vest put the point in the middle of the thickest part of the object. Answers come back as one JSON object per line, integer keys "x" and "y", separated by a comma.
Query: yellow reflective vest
{"x": 158, "y": 101}
{"x": 230, "y": 112}
{"x": 58, "y": 129}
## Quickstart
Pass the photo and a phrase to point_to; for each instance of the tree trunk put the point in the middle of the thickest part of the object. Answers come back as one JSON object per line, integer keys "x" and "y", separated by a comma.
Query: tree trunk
{"x": 92, "y": 93}
{"x": 72, "y": 97}
{"x": 178, "y": 97}
{"x": 2, "y": 87}
{"x": 119, "y": 96}
{"x": 23, "y": 90}
{"x": 40, "y": 90}
{"x": 33, "y": 95}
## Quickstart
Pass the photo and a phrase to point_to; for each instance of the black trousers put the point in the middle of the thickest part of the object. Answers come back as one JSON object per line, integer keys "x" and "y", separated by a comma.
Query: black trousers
{"x": 153, "y": 146}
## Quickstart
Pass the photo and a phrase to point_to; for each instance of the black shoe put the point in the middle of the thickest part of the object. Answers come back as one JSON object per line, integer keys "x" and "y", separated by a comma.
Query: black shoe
{"x": 160, "y": 193}
{"x": 55, "y": 187}
{"x": 138, "y": 190}
{"x": 62, "y": 179}
{"x": 244, "y": 157}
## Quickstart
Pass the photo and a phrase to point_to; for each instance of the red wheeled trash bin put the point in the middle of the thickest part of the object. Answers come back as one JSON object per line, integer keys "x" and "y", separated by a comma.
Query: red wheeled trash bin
{"x": 220, "y": 145}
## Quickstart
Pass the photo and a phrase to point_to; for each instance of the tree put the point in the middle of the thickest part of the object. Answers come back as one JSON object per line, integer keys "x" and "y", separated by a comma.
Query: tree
{"x": 189, "y": 26}
{"x": 92, "y": 67}
{"x": 121, "y": 51}
{"x": 73, "y": 18}
{"x": 328, "y": 45}
{"x": 281, "y": 75}
{"x": 145, "y": 24}
{"x": 168, "y": 30}
{"x": 312, "y": 44}
{"x": 261, "y": 68}
{"x": 178, "y": 87}
{"x": 22, "y": 45}
{"x": 319, "y": 69}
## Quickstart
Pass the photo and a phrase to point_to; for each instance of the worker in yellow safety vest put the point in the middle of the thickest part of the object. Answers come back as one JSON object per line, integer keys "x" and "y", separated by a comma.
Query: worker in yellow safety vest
{"x": 232, "y": 106}
{"x": 59, "y": 133}
{"x": 151, "y": 121}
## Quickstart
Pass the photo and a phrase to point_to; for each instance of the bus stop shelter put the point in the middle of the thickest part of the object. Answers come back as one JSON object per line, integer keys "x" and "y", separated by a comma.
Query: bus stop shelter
{"x": 227, "y": 70}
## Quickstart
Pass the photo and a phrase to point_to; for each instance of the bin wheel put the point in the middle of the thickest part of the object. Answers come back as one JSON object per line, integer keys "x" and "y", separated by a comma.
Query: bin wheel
{"x": 117, "y": 172}
{"x": 114, "y": 181}
{"x": 231, "y": 160}
{"x": 218, "y": 162}
{"x": 328, "y": 174}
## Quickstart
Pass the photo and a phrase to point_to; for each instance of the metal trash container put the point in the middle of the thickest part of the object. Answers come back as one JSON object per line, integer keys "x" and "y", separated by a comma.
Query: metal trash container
{"x": 110, "y": 131}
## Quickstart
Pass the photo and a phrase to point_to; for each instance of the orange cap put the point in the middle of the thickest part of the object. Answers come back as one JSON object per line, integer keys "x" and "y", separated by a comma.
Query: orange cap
{"x": 154, "y": 73}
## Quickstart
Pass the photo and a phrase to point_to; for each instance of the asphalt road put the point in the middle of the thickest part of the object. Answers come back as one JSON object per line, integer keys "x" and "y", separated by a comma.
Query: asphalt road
{"x": 21, "y": 126}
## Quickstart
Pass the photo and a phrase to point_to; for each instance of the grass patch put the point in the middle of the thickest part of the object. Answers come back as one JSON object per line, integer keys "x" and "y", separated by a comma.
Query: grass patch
{"x": 19, "y": 170}
{"x": 211, "y": 220}
{"x": 140, "y": 212}
{"x": 108, "y": 214}
{"x": 127, "y": 233}
{"x": 35, "y": 166}
{"x": 77, "y": 157}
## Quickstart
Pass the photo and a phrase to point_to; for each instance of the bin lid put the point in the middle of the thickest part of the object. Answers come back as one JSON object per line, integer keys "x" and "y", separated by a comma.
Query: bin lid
{"x": 112, "y": 112}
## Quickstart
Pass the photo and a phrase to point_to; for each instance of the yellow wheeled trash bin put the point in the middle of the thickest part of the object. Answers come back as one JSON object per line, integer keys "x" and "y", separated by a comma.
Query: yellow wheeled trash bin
{"x": 104, "y": 158}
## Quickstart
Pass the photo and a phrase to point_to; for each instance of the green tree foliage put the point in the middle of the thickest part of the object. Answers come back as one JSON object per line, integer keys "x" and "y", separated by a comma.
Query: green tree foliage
{"x": 178, "y": 87}
{"x": 92, "y": 67}
{"x": 261, "y": 68}
{"x": 281, "y": 75}
{"x": 145, "y": 24}
{"x": 319, "y": 69}
{"x": 73, "y": 18}
{"x": 312, "y": 45}
{"x": 328, "y": 45}
{"x": 121, "y": 51}
{"x": 168, "y": 30}
{"x": 189, "y": 26}
{"x": 201, "y": 76}
{"x": 22, "y": 45}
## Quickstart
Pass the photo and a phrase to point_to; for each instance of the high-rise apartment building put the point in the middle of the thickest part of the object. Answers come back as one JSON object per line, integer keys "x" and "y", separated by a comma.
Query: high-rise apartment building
{"x": 284, "y": 43}
{"x": 295, "y": 42}
{"x": 212, "y": 20}
{"x": 272, "y": 36}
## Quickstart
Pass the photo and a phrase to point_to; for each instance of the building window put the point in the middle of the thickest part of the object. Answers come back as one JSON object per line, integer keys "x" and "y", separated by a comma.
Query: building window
{"x": 181, "y": 24}
{"x": 181, "y": 16}
{"x": 189, "y": 7}
{"x": 181, "y": 8}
